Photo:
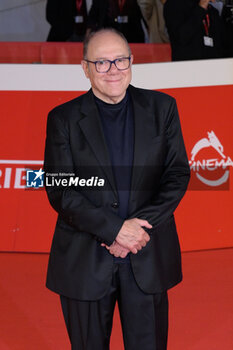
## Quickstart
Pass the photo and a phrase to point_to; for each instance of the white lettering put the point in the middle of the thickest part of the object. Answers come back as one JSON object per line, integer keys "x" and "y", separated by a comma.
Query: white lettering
{"x": 47, "y": 181}
{"x": 64, "y": 182}
{"x": 201, "y": 164}
{"x": 211, "y": 164}
{"x": 82, "y": 182}
{"x": 7, "y": 180}
{"x": 220, "y": 163}
{"x": 90, "y": 181}
{"x": 229, "y": 162}
{"x": 101, "y": 182}
{"x": 57, "y": 181}
{"x": 73, "y": 181}
{"x": 19, "y": 177}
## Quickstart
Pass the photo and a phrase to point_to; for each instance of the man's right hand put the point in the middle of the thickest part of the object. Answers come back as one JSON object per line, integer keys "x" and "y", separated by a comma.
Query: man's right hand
{"x": 132, "y": 236}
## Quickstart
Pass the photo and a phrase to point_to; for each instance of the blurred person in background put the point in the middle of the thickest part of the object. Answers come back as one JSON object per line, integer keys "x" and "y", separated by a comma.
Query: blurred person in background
{"x": 227, "y": 16}
{"x": 195, "y": 29}
{"x": 218, "y": 4}
{"x": 152, "y": 11}
{"x": 123, "y": 15}
{"x": 68, "y": 19}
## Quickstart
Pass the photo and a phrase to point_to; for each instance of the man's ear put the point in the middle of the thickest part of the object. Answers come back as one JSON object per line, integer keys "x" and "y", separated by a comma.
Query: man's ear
{"x": 131, "y": 59}
{"x": 85, "y": 68}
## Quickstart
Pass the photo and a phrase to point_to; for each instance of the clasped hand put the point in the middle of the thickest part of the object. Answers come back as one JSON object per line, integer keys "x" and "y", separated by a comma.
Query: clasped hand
{"x": 131, "y": 238}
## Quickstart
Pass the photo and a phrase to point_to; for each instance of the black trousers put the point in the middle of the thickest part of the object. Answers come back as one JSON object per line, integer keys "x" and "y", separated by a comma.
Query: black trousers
{"x": 144, "y": 317}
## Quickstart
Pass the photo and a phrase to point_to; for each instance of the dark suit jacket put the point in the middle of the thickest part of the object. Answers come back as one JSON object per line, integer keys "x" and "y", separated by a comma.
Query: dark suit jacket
{"x": 184, "y": 22}
{"x": 61, "y": 16}
{"x": 78, "y": 266}
{"x": 99, "y": 18}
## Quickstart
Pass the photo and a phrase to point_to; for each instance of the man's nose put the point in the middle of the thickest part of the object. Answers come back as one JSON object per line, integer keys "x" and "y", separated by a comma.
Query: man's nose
{"x": 113, "y": 68}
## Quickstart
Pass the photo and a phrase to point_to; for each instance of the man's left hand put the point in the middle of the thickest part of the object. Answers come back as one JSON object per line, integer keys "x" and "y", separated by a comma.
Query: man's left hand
{"x": 116, "y": 249}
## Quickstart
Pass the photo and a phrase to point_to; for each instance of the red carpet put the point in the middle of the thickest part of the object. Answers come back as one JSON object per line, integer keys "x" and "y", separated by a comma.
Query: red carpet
{"x": 201, "y": 307}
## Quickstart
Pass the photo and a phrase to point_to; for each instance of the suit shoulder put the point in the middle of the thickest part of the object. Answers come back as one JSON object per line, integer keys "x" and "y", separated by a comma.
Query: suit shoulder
{"x": 66, "y": 108}
{"x": 152, "y": 95}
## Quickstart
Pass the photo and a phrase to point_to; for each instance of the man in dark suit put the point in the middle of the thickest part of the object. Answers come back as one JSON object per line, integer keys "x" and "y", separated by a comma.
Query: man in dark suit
{"x": 195, "y": 29}
{"x": 68, "y": 19}
{"x": 123, "y": 15}
{"x": 118, "y": 242}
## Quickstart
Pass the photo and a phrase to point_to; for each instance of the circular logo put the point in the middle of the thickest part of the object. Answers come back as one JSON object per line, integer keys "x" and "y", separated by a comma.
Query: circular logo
{"x": 214, "y": 171}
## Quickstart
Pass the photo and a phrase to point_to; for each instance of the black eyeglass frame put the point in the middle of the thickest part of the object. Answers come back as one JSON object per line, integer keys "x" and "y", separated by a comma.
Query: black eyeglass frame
{"x": 111, "y": 62}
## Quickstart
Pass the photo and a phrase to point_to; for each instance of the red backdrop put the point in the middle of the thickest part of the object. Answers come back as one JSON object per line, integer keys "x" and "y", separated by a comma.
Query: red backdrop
{"x": 204, "y": 217}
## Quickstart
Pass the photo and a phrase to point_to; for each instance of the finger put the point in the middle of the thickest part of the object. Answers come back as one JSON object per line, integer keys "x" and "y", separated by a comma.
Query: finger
{"x": 145, "y": 238}
{"x": 144, "y": 223}
{"x": 123, "y": 244}
{"x": 143, "y": 244}
{"x": 113, "y": 250}
{"x": 133, "y": 249}
{"x": 138, "y": 246}
{"x": 105, "y": 245}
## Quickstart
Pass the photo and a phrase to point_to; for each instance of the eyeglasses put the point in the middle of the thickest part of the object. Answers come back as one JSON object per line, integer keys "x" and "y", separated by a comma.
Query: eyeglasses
{"x": 103, "y": 66}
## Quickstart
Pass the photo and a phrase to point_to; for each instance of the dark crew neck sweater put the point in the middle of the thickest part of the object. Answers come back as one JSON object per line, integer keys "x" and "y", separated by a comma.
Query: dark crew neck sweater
{"x": 118, "y": 127}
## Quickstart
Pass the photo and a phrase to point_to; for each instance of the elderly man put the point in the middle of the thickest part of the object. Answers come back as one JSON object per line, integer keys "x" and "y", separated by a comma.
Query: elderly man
{"x": 118, "y": 243}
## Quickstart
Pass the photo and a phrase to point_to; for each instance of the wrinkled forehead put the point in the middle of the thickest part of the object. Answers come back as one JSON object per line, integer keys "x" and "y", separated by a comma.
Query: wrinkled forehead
{"x": 104, "y": 45}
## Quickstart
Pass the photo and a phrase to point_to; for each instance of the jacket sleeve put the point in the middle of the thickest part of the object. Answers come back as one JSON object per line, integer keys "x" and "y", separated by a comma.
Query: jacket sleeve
{"x": 175, "y": 176}
{"x": 52, "y": 12}
{"x": 94, "y": 15}
{"x": 71, "y": 205}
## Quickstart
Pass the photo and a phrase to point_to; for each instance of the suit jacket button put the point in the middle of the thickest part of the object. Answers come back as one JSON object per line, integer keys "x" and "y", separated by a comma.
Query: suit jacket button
{"x": 115, "y": 205}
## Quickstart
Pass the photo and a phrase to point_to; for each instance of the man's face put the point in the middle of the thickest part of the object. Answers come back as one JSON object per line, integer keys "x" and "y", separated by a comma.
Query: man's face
{"x": 111, "y": 86}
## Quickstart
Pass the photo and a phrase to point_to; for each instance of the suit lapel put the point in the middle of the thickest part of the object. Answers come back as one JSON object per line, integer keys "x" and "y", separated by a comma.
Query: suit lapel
{"x": 143, "y": 131}
{"x": 143, "y": 134}
{"x": 92, "y": 129}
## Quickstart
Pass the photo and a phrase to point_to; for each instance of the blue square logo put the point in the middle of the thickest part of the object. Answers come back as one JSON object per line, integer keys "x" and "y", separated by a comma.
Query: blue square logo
{"x": 35, "y": 178}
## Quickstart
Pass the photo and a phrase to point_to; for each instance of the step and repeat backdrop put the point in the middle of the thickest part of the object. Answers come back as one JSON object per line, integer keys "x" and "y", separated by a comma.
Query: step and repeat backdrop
{"x": 204, "y": 94}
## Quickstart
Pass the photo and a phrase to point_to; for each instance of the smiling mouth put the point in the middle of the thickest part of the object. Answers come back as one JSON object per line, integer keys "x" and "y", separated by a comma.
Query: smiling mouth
{"x": 113, "y": 81}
